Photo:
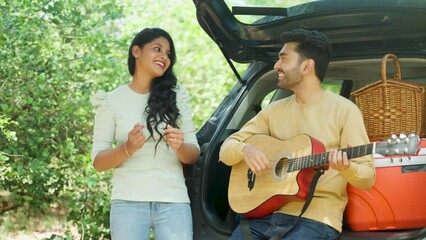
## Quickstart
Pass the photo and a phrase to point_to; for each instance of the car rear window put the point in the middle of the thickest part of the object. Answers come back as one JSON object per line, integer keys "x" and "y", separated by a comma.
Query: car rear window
{"x": 235, "y": 6}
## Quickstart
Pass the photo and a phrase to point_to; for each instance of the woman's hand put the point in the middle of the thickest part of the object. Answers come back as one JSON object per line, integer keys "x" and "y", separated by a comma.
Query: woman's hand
{"x": 135, "y": 139}
{"x": 173, "y": 137}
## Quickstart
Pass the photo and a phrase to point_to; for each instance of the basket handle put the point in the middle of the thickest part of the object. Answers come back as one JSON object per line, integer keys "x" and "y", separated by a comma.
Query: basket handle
{"x": 397, "y": 75}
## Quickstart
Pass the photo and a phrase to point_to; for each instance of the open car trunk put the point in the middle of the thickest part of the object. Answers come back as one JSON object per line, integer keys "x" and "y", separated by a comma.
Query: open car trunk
{"x": 361, "y": 33}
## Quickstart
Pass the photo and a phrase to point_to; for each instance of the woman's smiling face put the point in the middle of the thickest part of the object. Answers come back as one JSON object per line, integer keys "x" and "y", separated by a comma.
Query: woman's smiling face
{"x": 154, "y": 57}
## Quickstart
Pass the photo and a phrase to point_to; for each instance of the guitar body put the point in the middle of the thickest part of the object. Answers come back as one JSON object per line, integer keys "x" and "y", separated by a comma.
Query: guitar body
{"x": 271, "y": 190}
{"x": 293, "y": 167}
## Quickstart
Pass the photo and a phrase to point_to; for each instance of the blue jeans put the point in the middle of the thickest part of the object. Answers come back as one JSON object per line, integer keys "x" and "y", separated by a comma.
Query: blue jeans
{"x": 305, "y": 229}
{"x": 133, "y": 220}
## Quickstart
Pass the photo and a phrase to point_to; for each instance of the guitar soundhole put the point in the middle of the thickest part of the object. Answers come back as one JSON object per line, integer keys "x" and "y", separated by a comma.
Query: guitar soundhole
{"x": 281, "y": 168}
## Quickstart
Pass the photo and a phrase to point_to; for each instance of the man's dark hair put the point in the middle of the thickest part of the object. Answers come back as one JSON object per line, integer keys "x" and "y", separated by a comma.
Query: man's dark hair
{"x": 311, "y": 45}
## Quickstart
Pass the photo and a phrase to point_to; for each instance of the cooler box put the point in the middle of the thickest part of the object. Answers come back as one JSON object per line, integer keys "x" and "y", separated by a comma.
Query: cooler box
{"x": 397, "y": 199}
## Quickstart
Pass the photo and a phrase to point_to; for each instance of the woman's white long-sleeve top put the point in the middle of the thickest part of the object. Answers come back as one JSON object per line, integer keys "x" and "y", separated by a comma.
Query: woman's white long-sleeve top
{"x": 149, "y": 175}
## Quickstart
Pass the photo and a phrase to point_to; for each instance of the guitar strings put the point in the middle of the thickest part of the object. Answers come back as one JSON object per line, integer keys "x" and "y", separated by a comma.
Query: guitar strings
{"x": 320, "y": 159}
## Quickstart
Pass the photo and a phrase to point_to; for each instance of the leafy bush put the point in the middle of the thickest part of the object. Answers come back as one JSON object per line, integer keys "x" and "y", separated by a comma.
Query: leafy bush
{"x": 53, "y": 56}
{"x": 50, "y": 52}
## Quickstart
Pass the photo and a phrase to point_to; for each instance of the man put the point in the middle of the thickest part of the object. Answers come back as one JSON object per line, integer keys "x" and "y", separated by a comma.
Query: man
{"x": 333, "y": 120}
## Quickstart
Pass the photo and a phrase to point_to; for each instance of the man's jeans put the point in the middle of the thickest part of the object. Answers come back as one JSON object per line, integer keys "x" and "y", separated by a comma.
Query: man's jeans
{"x": 305, "y": 229}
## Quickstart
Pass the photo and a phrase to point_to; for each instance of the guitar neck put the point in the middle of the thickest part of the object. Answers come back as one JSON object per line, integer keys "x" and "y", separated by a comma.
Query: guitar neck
{"x": 320, "y": 159}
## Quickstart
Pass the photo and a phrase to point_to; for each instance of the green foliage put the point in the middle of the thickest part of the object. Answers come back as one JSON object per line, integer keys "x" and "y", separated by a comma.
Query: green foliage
{"x": 51, "y": 53}
{"x": 7, "y": 134}
{"x": 53, "y": 56}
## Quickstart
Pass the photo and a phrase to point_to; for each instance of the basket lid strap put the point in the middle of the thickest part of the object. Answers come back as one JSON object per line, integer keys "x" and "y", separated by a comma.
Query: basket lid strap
{"x": 397, "y": 75}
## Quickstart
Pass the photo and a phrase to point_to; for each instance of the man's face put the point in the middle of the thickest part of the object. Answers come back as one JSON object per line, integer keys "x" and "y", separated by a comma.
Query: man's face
{"x": 288, "y": 67}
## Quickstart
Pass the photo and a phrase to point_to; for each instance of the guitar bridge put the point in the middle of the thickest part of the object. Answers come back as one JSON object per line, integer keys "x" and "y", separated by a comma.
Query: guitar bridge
{"x": 251, "y": 177}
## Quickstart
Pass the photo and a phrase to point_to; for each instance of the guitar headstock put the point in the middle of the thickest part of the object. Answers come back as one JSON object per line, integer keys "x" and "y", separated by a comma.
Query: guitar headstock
{"x": 402, "y": 145}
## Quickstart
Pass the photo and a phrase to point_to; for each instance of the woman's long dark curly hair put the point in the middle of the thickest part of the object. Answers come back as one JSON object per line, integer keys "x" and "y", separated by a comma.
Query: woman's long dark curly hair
{"x": 161, "y": 107}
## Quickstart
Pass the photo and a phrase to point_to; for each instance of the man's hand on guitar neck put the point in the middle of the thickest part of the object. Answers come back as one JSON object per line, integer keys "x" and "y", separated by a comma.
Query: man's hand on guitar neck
{"x": 338, "y": 160}
{"x": 255, "y": 159}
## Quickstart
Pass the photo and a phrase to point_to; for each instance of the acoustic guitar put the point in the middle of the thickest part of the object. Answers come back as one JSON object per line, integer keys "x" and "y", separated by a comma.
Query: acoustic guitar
{"x": 293, "y": 166}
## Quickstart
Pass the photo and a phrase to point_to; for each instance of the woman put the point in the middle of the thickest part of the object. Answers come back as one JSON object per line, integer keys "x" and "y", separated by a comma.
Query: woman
{"x": 144, "y": 132}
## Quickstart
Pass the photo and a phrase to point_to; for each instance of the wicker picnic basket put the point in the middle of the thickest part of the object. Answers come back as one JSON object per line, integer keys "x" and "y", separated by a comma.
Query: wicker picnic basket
{"x": 391, "y": 105}
{"x": 423, "y": 109}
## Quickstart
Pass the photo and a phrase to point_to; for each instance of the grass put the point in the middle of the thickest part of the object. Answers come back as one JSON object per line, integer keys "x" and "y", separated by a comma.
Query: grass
{"x": 23, "y": 223}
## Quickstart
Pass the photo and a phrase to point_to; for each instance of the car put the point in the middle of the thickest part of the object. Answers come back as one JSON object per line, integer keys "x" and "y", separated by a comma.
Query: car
{"x": 361, "y": 33}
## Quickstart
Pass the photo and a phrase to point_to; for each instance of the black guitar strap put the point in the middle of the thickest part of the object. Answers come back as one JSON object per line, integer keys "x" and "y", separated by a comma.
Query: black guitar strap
{"x": 314, "y": 182}
{"x": 245, "y": 228}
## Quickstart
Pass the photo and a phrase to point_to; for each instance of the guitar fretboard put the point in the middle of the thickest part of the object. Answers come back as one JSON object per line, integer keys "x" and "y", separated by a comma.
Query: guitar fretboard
{"x": 319, "y": 159}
